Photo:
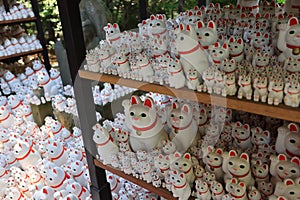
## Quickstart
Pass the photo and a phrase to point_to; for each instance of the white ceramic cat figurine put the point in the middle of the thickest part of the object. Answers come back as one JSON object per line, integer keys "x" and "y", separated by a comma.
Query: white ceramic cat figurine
{"x": 290, "y": 189}
{"x": 239, "y": 167}
{"x": 113, "y": 34}
{"x": 183, "y": 163}
{"x": 245, "y": 89}
{"x": 287, "y": 141}
{"x": 218, "y": 53}
{"x": 176, "y": 75}
{"x": 213, "y": 161}
{"x": 192, "y": 55}
{"x": 288, "y": 41}
{"x": 156, "y": 27}
{"x": 106, "y": 146}
{"x": 230, "y": 85}
{"x": 260, "y": 86}
{"x": 6, "y": 117}
{"x": 260, "y": 171}
{"x": 237, "y": 189}
{"x": 202, "y": 190}
{"x": 282, "y": 168}
{"x": 192, "y": 79}
{"x": 147, "y": 129}
{"x": 242, "y": 135}
{"x": 26, "y": 155}
{"x": 236, "y": 49}
{"x": 162, "y": 163}
{"x": 275, "y": 91}
{"x": 209, "y": 80}
{"x": 145, "y": 67}
{"x": 184, "y": 127}
{"x": 292, "y": 94}
{"x": 206, "y": 35}
{"x": 260, "y": 137}
{"x": 180, "y": 187}
{"x": 217, "y": 190}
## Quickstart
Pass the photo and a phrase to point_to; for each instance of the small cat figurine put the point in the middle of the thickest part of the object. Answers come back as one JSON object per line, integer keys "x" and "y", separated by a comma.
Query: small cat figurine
{"x": 260, "y": 40}
{"x": 209, "y": 80}
{"x": 184, "y": 127}
{"x": 242, "y": 135}
{"x": 183, "y": 163}
{"x": 157, "y": 27}
{"x": 162, "y": 163}
{"x": 230, "y": 85}
{"x": 239, "y": 167}
{"x": 254, "y": 194}
{"x": 180, "y": 186}
{"x": 218, "y": 53}
{"x": 146, "y": 69}
{"x": 292, "y": 66}
{"x": 282, "y": 168}
{"x": 245, "y": 89}
{"x": 236, "y": 49}
{"x": 292, "y": 94}
{"x": 217, "y": 190}
{"x": 213, "y": 161}
{"x": 275, "y": 91}
{"x": 206, "y": 35}
{"x": 260, "y": 137}
{"x": 113, "y": 34}
{"x": 192, "y": 79}
{"x": 260, "y": 171}
{"x": 237, "y": 189}
{"x": 148, "y": 131}
{"x": 176, "y": 75}
{"x": 260, "y": 86}
{"x": 202, "y": 190}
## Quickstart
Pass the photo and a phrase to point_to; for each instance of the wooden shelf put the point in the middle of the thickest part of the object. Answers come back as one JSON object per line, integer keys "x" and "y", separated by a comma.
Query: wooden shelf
{"x": 21, "y": 54}
{"x": 16, "y": 21}
{"x": 159, "y": 191}
{"x": 280, "y": 112}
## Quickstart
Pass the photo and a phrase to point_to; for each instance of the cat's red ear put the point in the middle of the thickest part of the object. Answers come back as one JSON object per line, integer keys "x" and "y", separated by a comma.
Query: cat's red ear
{"x": 232, "y": 153}
{"x": 186, "y": 108}
{"x": 148, "y": 102}
{"x": 244, "y": 156}
{"x": 293, "y": 21}
{"x": 134, "y": 100}
{"x": 282, "y": 157}
{"x": 211, "y": 24}
{"x": 187, "y": 156}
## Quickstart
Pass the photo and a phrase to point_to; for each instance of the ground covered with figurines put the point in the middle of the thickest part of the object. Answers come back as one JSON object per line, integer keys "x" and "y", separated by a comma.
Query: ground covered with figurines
{"x": 250, "y": 51}
{"x": 39, "y": 162}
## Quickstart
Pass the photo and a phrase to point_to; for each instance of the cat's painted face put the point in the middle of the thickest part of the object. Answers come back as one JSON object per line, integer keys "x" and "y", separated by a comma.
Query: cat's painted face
{"x": 219, "y": 53}
{"x": 174, "y": 65}
{"x": 238, "y": 165}
{"x": 260, "y": 170}
{"x": 236, "y": 188}
{"x": 214, "y": 159}
{"x": 177, "y": 178}
{"x": 261, "y": 40}
{"x": 182, "y": 163}
{"x": 206, "y": 35}
{"x": 156, "y": 24}
{"x": 287, "y": 169}
{"x": 292, "y": 36}
{"x": 162, "y": 162}
{"x": 261, "y": 137}
{"x": 292, "y": 143}
{"x": 235, "y": 46}
{"x": 201, "y": 186}
{"x": 181, "y": 116}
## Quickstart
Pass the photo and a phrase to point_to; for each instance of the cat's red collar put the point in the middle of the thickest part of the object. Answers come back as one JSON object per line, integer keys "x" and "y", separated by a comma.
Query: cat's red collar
{"x": 148, "y": 127}
{"x": 214, "y": 167}
{"x": 242, "y": 140}
{"x": 240, "y": 176}
{"x": 219, "y": 193}
{"x": 180, "y": 186}
{"x": 236, "y": 55}
{"x": 104, "y": 143}
{"x": 237, "y": 197}
{"x": 192, "y": 50}
{"x": 290, "y": 153}
{"x": 182, "y": 128}
{"x": 201, "y": 193}
{"x": 292, "y": 46}
{"x": 172, "y": 73}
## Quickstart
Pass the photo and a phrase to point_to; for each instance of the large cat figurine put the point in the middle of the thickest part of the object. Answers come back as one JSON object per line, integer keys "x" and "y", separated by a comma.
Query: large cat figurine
{"x": 184, "y": 127}
{"x": 282, "y": 168}
{"x": 289, "y": 40}
{"x": 206, "y": 35}
{"x": 192, "y": 55}
{"x": 239, "y": 167}
{"x": 147, "y": 129}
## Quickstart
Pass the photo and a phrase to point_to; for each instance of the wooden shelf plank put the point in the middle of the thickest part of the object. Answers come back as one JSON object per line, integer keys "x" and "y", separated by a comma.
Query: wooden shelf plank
{"x": 280, "y": 112}
{"x": 159, "y": 191}
{"x": 8, "y": 22}
{"x": 21, "y": 54}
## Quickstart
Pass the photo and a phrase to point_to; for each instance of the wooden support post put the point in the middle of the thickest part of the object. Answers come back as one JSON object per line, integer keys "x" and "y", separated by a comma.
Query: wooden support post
{"x": 143, "y": 9}
{"x": 40, "y": 35}
{"x": 75, "y": 48}
{"x": 6, "y": 5}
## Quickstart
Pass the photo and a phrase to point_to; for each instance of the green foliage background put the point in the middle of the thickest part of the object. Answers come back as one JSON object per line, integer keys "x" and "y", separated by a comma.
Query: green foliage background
{"x": 124, "y": 12}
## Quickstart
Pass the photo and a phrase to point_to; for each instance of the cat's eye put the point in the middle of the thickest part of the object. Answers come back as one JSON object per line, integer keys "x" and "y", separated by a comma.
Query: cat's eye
{"x": 293, "y": 171}
{"x": 184, "y": 164}
{"x": 280, "y": 168}
{"x": 131, "y": 113}
{"x": 292, "y": 193}
{"x": 150, "y": 24}
{"x": 293, "y": 141}
{"x": 172, "y": 115}
{"x": 181, "y": 38}
{"x": 242, "y": 166}
{"x": 216, "y": 159}
{"x": 238, "y": 190}
{"x": 206, "y": 34}
{"x": 292, "y": 32}
{"x": 208, "y": 156}
{"x": 176, "y": 163}
{"x": 158, "y": 24}
{"x": 180, "y": 117}
{"x": 230, "y": 163}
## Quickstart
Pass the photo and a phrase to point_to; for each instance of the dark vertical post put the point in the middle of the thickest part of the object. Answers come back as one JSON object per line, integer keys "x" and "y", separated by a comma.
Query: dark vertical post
{"x": 75, "y": 48}
{"x": 40, "y": 35}
{"x": 201, "y": 3}
{"x": 180, "y": 5}
{"x": 143, "y": 9}
{"x": 6, "y": 5}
